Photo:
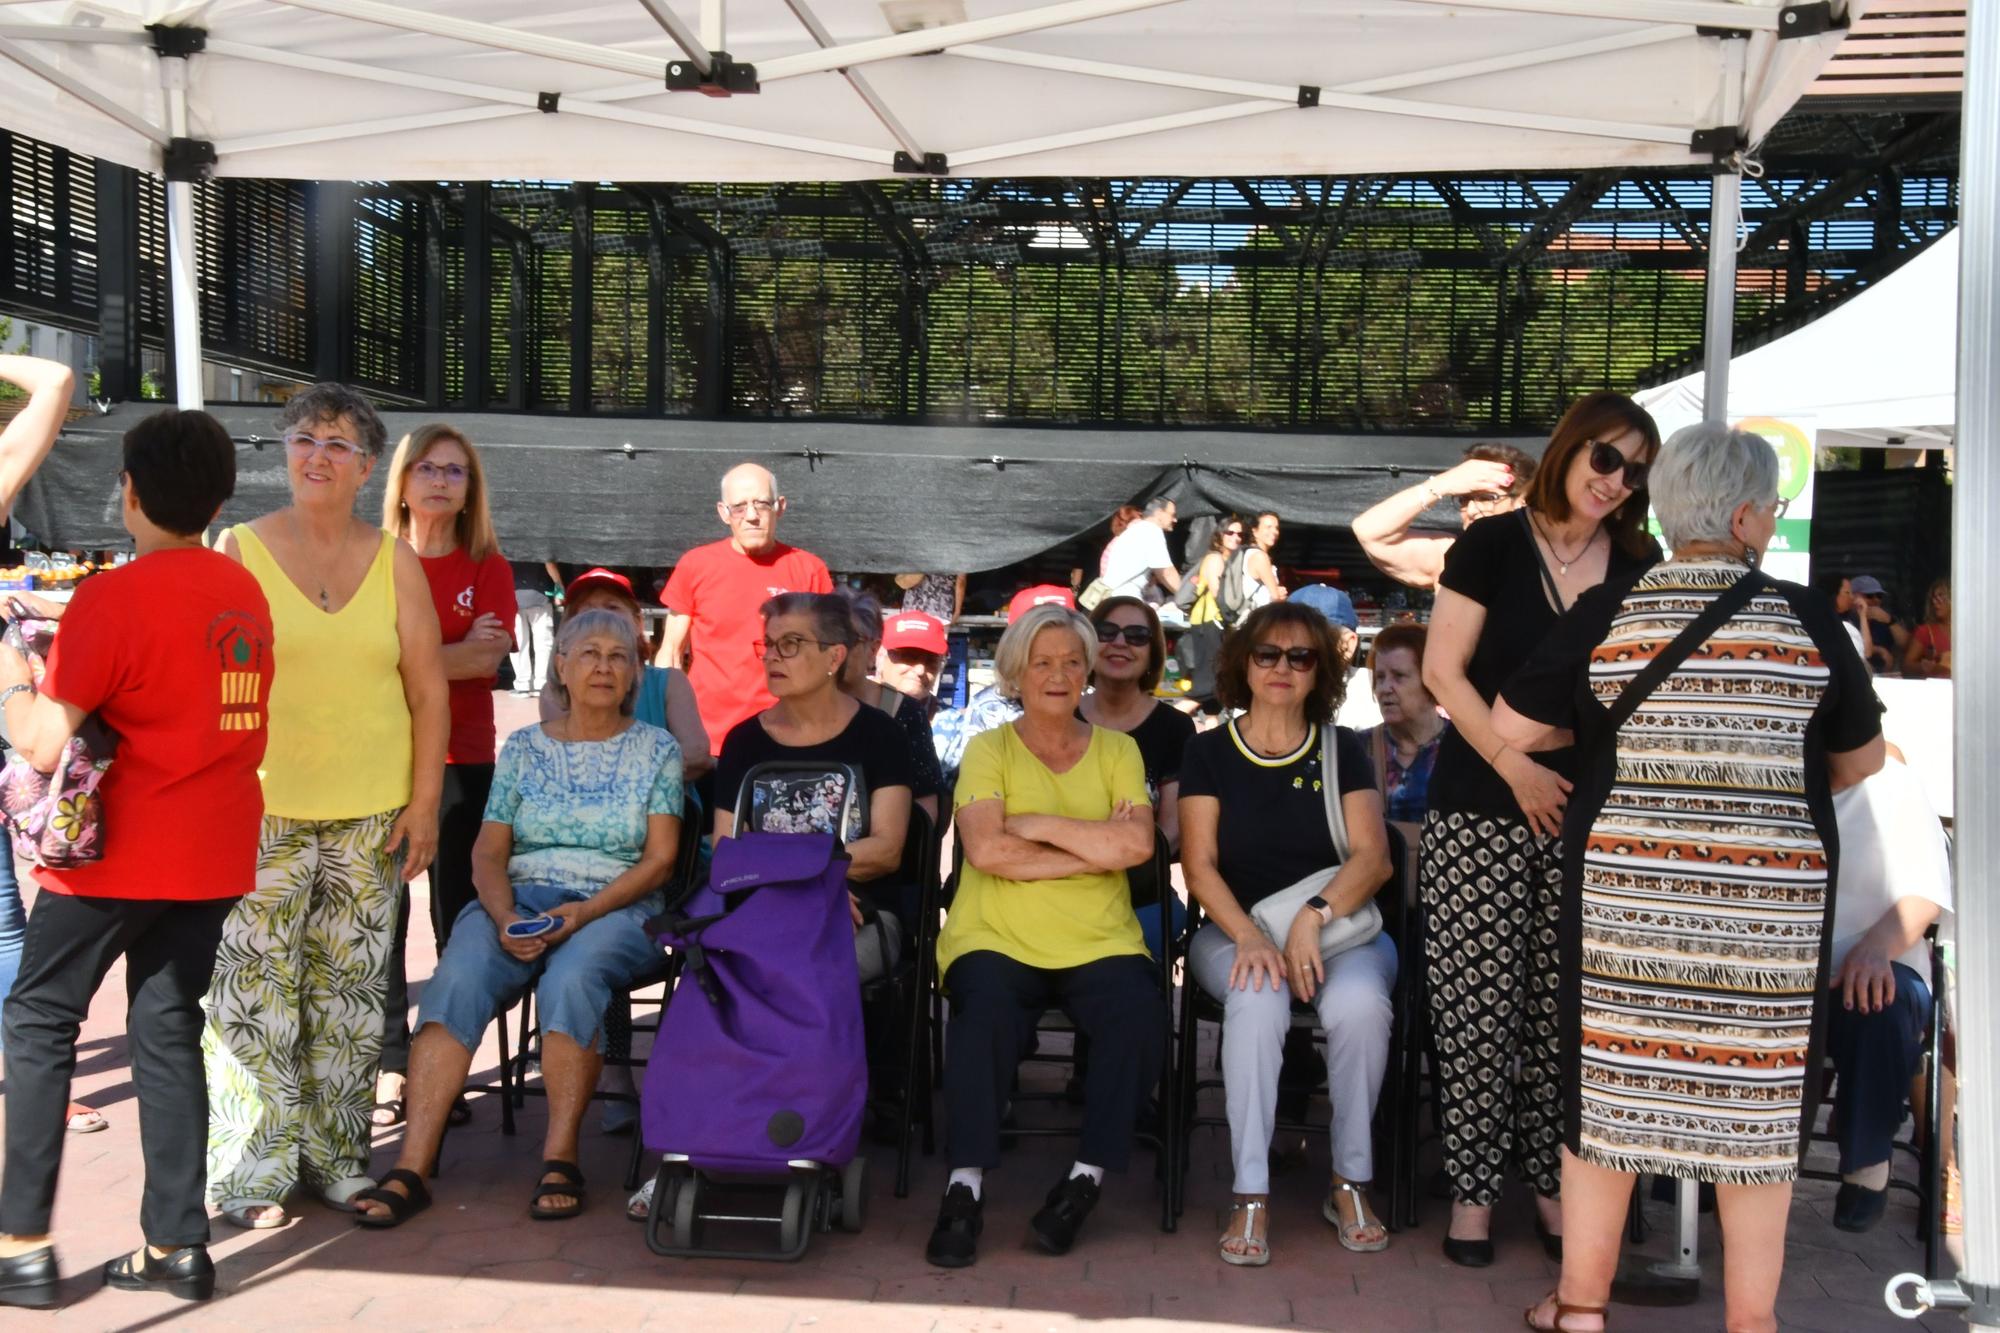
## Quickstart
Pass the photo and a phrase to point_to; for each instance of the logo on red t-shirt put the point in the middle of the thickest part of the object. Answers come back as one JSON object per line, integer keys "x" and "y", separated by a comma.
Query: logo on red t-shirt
{"x": 238, "y": 643}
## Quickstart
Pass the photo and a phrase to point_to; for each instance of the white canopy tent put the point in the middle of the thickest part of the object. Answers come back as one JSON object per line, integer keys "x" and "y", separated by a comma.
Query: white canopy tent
{"x": 1880, "y": 366}
{"x": 845, "y": 89}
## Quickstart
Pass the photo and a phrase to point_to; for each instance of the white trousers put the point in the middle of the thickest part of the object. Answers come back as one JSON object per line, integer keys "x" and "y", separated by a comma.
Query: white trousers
{"x": 1355, "y": 1010}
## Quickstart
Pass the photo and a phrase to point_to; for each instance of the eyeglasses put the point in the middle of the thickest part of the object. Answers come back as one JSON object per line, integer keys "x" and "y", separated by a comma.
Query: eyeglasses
{"x": 1268, "y": 655}
{"x": 455, "y": 473}
{"x": 1471, "y": 498}
{"x": 1778, "y": 508}
{"x": 743, "y": 507}
{"x": 1136, "y": 635}
{"x": 304, "y": 446}
{"x": 786, "y": 648}
{"x": 1605, "y": 460}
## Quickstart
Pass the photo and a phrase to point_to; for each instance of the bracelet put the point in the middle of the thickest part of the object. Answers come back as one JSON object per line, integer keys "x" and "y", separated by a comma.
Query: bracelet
{"x": 13, "y": 690}
{"x": 1498, "y": 750}
{"x": 1431, "y": 490}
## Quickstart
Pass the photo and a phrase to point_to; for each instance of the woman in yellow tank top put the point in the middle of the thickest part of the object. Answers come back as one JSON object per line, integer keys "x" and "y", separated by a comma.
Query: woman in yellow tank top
{"x": 351, "y": 779}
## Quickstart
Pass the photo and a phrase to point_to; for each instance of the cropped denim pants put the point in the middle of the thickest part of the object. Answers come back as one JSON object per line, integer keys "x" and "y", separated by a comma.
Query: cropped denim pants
{"x": 574, "y": 981}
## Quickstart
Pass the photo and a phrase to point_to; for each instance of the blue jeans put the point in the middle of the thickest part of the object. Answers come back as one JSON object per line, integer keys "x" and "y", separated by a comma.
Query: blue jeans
{"x": 574, "y": 980}
{"x": 13, "y": 921}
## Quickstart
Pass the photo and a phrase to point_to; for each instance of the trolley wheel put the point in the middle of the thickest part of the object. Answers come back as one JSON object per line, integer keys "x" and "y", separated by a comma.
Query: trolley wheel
{"x": 792, "y": 1217}
{"x": 685, "y": 1195}
{"x": 853, "y": 1194}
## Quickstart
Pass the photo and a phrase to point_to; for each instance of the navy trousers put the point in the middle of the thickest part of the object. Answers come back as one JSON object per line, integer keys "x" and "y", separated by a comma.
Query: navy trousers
{"x": 1876, "y": 1056}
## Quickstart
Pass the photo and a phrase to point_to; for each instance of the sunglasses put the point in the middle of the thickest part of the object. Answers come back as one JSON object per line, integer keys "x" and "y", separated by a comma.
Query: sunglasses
{"x": 1237, "y": 533}
{"x": 1268, "y": 655}
{"x": 1605, "y": 460}
{"x": 1138, "y": 636}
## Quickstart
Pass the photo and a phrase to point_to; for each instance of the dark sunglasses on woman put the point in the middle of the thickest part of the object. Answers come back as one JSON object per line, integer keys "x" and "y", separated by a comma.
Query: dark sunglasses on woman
{"x": 1605, "y": 460}
{"x": 1136, "y": 635}
{"x": 1267, "y": 655}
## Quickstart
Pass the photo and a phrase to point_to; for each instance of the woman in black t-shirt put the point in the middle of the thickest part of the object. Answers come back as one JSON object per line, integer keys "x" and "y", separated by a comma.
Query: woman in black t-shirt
{"x": 807, "y": 637}
{"x": 1131, "y": 659}
{"x": 1492, "y": 862}
{"x": 1254, "y": 822}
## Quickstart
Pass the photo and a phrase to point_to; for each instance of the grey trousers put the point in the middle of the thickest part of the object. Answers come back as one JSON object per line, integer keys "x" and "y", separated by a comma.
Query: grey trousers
{"x": 1354, "y": 1009}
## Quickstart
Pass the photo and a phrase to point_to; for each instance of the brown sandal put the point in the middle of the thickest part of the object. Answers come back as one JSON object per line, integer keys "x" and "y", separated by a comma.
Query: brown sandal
{"x": 1563, "y": 1312}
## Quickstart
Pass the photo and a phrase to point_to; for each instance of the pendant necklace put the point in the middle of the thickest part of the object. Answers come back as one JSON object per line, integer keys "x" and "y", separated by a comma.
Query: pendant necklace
{"x": 1562, "y": 561}
{"x": 298, "y": 536}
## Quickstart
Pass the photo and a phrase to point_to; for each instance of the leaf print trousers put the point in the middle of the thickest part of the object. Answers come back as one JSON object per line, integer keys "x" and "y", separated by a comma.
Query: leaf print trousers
{"x": 295, "y": 1010}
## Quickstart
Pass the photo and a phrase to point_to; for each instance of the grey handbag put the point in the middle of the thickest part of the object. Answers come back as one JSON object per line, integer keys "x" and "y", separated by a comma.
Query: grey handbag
{"x": 1276, "y": 913}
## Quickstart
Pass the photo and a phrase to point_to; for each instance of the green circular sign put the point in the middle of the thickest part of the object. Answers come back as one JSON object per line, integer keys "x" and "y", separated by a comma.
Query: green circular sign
{"x": 1795, "y": 454}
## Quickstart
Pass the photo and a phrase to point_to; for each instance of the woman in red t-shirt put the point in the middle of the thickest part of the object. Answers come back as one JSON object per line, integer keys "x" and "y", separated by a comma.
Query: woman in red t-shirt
{"x": 1929, "y": 653}
{"x": 173, "y": 653}
{"x": 436, "y": 501}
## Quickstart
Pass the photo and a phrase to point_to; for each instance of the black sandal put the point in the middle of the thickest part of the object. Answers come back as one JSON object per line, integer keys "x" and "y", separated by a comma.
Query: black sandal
{"x": 402, "y": 1207}
{"x": 460, "y": 1112}
{"x": 569, "y": 1187}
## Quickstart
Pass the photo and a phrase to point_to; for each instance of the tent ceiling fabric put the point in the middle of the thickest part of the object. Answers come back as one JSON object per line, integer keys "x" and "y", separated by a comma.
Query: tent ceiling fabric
{"x": 864, "y": 498}
{"x": 450, "y": 89}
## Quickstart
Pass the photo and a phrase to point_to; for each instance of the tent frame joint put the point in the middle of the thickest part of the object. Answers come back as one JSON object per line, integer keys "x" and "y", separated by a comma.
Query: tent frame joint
{"x": 930, "y": 164}
{"x": 1813, "y": 19}
{"x": 188, "y": 160}
{"x": 174, "y": 41}
{"x": 1721, "y": 145}
{"x": 723, "y": 78}
{"x": 1308, "y": 94}
{"x": 548, "y": 103}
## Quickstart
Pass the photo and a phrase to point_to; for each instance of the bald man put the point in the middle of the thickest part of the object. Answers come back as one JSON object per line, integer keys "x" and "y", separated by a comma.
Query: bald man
{"x": 713, "y": 597}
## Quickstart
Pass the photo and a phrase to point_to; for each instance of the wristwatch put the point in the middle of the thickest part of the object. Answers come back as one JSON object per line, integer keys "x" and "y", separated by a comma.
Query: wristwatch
{"x": 1322, "y": 906}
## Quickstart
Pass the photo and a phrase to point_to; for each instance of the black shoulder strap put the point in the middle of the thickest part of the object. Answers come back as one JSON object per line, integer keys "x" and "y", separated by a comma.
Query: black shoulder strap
{"x": 1733, "y": 599}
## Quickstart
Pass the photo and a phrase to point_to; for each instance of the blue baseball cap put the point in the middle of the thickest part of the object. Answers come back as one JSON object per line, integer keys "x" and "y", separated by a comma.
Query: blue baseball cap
{"x": 1330, "y": 602}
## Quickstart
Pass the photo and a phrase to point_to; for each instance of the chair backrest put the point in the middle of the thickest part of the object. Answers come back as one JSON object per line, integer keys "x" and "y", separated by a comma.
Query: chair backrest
{"x": 803, "y": 796}
{"x": 920, "y": 851}
{"x": 689, "y": 863}
{"x": 1152, "y": 880}
{"x": 1393, "y": 899}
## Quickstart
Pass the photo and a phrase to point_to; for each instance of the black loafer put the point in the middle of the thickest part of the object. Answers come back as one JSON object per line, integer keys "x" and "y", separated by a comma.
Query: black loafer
{"x": 955, "y": 1239}
{"x": 29, "y": 1280}
{"x": 186, "y": 1273}
{"x": 1469, "y": 1253}
{"x": 1857, "y": 1208}
{"x": 1552, "y": 1244}
{"x": 1062, "y": 1214}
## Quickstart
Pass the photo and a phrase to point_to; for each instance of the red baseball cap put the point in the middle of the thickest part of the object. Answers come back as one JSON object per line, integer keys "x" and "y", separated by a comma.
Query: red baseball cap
{"x": 600, "y": 578}
{"x": 1042, "y": 594}
{"x": 914, "y": 629}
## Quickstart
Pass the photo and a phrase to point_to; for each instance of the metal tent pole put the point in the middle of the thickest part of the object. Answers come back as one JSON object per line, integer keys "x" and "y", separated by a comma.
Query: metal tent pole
{"x": 1719, "y": 316}
{"x": 1976, "y": 686}
{"x": 183, "y": 272}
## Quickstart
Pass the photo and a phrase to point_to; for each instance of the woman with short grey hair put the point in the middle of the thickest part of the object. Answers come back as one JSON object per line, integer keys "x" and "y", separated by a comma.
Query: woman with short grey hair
{"x": 582, "y": 827}
{"x": 1716, "y": 711}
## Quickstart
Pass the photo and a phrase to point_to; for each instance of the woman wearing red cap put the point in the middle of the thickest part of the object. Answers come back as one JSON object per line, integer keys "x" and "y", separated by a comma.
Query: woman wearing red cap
{"x": 436, "y": 501}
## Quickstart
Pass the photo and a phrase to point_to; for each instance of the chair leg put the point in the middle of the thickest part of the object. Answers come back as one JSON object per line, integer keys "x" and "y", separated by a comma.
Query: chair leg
{"x": 521, "y": 1055}
{"x": 636, "y": 1159}
{"x": 912, "y": 1069}
{"x": 506, "y": 1079}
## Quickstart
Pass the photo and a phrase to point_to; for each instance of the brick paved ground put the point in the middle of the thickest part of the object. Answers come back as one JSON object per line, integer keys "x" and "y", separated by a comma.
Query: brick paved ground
{"x": 475, "y": 1260}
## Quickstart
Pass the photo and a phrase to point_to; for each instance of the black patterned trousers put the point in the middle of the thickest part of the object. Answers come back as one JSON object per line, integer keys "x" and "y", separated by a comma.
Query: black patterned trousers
{"x": 1492, "y": 891}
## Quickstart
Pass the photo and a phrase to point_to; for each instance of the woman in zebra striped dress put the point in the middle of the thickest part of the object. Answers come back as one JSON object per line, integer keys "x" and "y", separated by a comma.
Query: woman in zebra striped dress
{"x": 1699, "y": 872}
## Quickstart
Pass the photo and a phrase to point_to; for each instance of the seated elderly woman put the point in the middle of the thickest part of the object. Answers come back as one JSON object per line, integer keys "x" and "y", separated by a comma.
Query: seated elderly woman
{"x": 1717, "y": 710}
{"x": 1051, "y": 811}
{"x": 808, "y": 638}
{"x": 1253, "y": 823}
{"x": 581, "y": 831}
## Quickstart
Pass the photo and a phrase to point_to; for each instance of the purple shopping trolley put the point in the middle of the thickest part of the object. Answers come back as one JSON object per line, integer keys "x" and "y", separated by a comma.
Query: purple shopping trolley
{"x": 759, "y": 1074}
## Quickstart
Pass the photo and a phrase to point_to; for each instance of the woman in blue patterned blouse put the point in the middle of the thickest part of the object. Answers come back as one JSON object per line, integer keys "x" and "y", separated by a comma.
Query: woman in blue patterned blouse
{"x": 581, "y": 827}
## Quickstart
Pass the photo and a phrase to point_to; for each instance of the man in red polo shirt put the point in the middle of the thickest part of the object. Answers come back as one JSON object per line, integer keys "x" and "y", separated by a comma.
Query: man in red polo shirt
{"x": 714, "y": 593}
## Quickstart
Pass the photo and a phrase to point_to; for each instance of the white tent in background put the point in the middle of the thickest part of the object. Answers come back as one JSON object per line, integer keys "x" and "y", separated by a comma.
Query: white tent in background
{"x": 1881, "y": 366}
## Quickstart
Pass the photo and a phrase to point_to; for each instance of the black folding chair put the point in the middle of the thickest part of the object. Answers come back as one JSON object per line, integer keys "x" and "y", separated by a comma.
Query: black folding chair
{"x": 514, "y": 1088}
{"x": 1395, "y": 1109}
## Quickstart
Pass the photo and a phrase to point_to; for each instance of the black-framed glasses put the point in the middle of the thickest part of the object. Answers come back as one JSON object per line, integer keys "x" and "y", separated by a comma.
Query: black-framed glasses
{"x": 1268, "y": 655}
{"x": 455, "y": 473}
{"x": 1605, "y": 460}
{"x": 786, "y": 647}
{"x": 1138, "y": 636}
{"x": 1237, "y": 533}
